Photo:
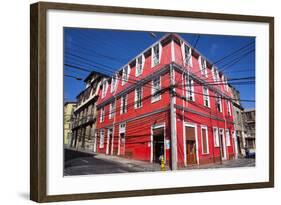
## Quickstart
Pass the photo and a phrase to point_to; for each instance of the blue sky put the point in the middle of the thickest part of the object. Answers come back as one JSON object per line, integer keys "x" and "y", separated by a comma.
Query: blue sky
{"x": 106, "y": 51}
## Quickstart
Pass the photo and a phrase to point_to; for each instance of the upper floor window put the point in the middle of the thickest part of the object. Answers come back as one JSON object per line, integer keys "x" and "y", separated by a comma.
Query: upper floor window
{"x": 203, "y": 66}
{"x": 139, "y": 65}
{"x": 102, "y": 114}
{"x": 123, "y": 107}
{"x": 155, "y": 55}
{"x": 113, "y": 83}
{"x": 125, "y": 74}
{"x": 206, "y": 96}
{"x": 138, "y": 97}
{"x": 216, "y": 137}
{"x": 219, "y": 104}
{"x": 155, "y": 90}
{"x": 215, "y": 73}
{"x": 189, "y": 88}
{"x": 228, "y": 108}
{"x": 111, "y": 110}
{"x": 187, "y": 55}
{"x": 104, "y": 88}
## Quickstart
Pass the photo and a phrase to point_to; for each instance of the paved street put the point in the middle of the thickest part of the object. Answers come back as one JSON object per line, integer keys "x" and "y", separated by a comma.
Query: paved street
{"x": 79, "y": 163}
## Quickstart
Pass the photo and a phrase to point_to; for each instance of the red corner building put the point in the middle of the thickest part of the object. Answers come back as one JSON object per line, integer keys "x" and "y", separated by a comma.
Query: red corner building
{"x": 168, "y": 102}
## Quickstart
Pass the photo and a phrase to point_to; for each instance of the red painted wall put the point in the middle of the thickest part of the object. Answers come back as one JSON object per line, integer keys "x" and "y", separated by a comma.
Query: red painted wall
{"x": 138, "y": 131}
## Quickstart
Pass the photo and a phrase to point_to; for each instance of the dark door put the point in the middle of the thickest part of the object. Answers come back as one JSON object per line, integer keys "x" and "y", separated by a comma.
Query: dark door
{"x": 109, "y": 141}
{"x": 191, "y": 152}
{"x": 191, "y": 157}
{"x": 122, "y": 143}
{"x": 158, "y": 144}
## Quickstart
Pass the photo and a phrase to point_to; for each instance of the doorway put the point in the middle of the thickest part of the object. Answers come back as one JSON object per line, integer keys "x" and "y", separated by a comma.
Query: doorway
{"x": 222, "y": 145}
{"x": 109, "y": 141}
{"x": 190, "y": 144}
{"x": 158, "y": 144}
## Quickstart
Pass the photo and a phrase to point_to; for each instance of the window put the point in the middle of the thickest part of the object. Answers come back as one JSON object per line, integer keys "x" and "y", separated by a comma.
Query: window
{"x": 219, "y": 104}
{"x": 203, "y": 66}
{"x": 216, "y": 137}
{"x": 102, "y": 114}
{"x": 215, "y": 73}
{"x": 204, "y": 136}
{"x": 111, "y": 110}
{"x": 228, "y": 108}
{"x": 189, "y": 88}
{"x": 227, "y": 136}
{"x": 138, "y": 97}
{"x": 187, "y": 55}
{"x": 123, "y": 107}
{"x": 101, "y": 138}
{"x": 104, "y": 88}
{"x": 206, "y": 96}
{"x": 125, "y": 74}
{"x": 139, "y": 65}
{"x": 155, "y": 55}
{"x": 155, "y": 90}
{"x": 113, "y": 84}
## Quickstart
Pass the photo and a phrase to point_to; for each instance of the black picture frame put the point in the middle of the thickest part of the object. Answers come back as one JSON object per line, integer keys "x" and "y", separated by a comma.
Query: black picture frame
{"x": 38, "y": 103}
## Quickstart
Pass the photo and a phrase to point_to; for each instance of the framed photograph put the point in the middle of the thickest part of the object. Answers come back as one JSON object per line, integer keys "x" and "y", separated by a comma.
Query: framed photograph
{"x": 135, "y": 102}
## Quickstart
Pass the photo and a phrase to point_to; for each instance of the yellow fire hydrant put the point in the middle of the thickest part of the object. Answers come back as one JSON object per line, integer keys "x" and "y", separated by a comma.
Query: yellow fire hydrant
{"x": 162, "y": 164}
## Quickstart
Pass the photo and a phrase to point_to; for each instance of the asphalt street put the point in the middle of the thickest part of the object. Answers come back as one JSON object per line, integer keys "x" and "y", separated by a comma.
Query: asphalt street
{"x": 78, "y": 163}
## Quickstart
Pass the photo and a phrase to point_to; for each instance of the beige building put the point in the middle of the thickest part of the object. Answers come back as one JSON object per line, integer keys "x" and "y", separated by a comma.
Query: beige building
{"x": 84, "y": 122}
{"x": 249, "y": 117}
{"x": 238, "y": 123}
{"x": 68, "y": 115}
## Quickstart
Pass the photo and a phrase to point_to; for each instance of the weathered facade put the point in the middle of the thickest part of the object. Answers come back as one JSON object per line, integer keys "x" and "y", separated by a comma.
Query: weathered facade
{"x": 238, "y": 123}
{"x": 249, "y": 117}
{"x": 84, "y": 122}
{"x": 169, "y": 102}
{"x": 68, "y": 117}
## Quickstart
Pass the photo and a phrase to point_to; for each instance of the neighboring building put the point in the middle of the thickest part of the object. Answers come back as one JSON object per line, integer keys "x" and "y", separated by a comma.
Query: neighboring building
{"x": 68, "y": 115}
{"x": 249, "y": 117}
{"x": 137, "y": 119}
{"x": 238, "y": 124}
{"x": 84, "y": 122}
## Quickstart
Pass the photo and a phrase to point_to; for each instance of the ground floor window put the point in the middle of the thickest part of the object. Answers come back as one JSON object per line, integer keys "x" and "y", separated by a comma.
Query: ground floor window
{"x": 204, "y": 138}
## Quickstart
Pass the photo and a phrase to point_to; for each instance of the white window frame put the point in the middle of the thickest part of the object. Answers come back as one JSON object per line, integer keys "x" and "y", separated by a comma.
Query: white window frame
{"x": 227, "y": 137}
{"x": 207, "y": 140}
{"x": 104, "y": 88}
{"x": 125, "y": 79}
{"x": 123, "y": 105}
{"x": 136, "y": 100}
{"x": 189, "y": 88}
{"x": 206, "y": 95}
{"x": 114, "y": 85}
{"x": 188, "y": 56}
{"x": 219, "y": 100}
{"x": 215, "y": 74}
{"x": 204, "y": 70}
{"x": 157, "y": 97}
{"x": 102, "y": 114}
{"x": 101, "y": 145}
{"x": 216, "y": 137}
{"x": 111, "y": 110}
{"x": 138, "y": 66}
{"x": 153, "y": 54}
{"x": 229, "y": 111}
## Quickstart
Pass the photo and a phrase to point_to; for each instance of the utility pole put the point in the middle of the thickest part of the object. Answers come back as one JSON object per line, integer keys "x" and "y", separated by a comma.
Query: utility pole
{"x": 173, "y": 119}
